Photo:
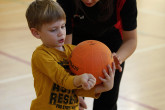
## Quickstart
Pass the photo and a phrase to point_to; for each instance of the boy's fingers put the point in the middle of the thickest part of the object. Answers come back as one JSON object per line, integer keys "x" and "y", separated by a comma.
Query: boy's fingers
{"x": 91, "y": 82}
{"x": 107, "y": 77}
{"x": 84, "y": 83}
{"x": 110, "y": 70}
{"x": 105, "y": 73}
{"x": 102, "y": 79}
{"x": 85, "y": 87}
{"x": 114, "y": 67}
{"x": 90, "y": 86}
{"x": 82, "y": 104}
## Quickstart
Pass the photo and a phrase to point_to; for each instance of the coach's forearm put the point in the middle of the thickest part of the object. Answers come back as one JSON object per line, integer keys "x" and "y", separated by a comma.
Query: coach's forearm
{"x": 68, "y": 39}
{"x": 128, "y": 46}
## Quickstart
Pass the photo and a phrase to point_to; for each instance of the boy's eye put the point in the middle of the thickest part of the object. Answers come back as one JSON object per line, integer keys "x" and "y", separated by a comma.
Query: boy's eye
{"x": 63, "y": 26}
{"x": 52, "y": 30}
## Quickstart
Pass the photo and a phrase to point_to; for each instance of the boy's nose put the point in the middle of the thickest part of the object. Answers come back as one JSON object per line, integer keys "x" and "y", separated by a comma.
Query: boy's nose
{"x": 60, "y": 33}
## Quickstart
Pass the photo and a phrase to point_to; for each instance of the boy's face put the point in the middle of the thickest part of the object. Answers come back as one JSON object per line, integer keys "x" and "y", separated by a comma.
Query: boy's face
{"x": 53, "y": 34}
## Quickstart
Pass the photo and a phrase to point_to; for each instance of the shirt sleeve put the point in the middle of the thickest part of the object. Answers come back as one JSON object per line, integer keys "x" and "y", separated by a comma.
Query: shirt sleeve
{"x": 129, "y": 15}
{"x": 45, "y": 64}
{"x": 67, "y": 6}
{"x": 87, "y": 93}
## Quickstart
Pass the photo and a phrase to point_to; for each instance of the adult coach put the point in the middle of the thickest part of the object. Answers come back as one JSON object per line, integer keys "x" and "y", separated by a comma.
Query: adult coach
{"x": 112, "y": 22}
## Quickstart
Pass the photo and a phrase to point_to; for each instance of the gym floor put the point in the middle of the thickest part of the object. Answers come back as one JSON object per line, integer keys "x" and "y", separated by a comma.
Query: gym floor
{"x": 142, "y": 85}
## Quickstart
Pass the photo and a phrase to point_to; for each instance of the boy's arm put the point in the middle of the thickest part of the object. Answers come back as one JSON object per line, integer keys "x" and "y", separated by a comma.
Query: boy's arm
{"x": 107, "y": 84}
{"x": 46, "y": 64}
{"x": 88, "y": 93}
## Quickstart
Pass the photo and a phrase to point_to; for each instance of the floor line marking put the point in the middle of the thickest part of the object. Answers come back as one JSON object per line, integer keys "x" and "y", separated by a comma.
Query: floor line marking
{"x": 28, "y": 63}
{"x": 138, "y": 103}
{"x": 136, "y": 51}
{"x": 15, "y": 78}
{"x": 15, "y": 58}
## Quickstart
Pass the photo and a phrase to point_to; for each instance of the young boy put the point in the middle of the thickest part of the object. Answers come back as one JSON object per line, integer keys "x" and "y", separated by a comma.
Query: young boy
{"x": 56, "y": 88}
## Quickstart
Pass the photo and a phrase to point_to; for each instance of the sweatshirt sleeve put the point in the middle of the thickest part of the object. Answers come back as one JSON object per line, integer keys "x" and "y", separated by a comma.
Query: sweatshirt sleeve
{"x": 87, "y": 93}
{"x": 44, "y": 63}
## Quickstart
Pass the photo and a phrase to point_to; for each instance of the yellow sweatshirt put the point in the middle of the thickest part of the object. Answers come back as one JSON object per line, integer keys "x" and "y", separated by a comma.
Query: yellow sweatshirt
{"x": 52, "y": 81}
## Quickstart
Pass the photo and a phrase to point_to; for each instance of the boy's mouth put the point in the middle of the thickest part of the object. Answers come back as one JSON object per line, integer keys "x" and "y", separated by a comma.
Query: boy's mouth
{"x": 61, "y": 41}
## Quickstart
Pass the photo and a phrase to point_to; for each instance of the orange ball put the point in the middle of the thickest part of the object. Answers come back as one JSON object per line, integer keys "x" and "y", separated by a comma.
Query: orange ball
{"x": 90, "y": 56}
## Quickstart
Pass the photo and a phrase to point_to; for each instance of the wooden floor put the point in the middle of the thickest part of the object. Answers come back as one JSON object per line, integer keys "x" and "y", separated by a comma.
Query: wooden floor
{"x": 143, "y": 82}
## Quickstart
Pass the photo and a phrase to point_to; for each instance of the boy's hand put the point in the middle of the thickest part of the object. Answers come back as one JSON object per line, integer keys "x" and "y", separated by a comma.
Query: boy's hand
{"x": 82, "y": 104}
{"x": 86, "y": 81}
{"x": 108, "y": 82}
{"x": 117, "y": 61}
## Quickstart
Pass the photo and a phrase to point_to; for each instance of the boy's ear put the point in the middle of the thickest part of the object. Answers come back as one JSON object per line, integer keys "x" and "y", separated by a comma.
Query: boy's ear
{"x": 35, "y": 33}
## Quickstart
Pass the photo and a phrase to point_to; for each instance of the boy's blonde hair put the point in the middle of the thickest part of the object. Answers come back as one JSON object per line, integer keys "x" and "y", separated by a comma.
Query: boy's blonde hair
{"x": 41, "y": 12}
